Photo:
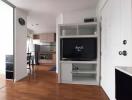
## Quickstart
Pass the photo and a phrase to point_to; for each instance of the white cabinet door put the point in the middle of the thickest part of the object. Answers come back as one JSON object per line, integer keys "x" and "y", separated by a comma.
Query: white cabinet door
{"x": 66, "y": 73}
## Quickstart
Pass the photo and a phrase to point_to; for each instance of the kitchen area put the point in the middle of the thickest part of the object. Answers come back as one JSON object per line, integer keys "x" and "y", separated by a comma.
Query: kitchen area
{"x": 45, "y": 51}
{"x": 44, "y": 48}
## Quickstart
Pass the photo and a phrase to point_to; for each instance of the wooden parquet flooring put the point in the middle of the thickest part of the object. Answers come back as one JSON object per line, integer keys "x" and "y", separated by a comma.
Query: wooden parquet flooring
{"x": 44, "y": 86}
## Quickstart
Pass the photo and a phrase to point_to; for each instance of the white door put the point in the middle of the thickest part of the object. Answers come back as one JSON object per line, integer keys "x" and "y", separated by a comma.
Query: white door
{"x": 66, "y": 73}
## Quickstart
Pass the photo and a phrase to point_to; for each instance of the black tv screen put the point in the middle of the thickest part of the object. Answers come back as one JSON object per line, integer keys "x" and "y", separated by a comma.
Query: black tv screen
{"x": 78, "y": 49}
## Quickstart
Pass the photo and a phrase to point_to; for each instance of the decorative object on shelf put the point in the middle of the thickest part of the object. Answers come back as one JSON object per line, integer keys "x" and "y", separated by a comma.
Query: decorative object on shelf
{"x": 21, "y": 21}
{"x": 124, "y": 53}
{"x": 87, "y": 20}
{"x": 124, "y": 42}
{"x": 120, "y": 52}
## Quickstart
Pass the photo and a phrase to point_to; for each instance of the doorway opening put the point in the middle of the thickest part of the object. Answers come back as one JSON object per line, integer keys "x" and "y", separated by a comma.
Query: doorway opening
{"x": 42, "y": 48}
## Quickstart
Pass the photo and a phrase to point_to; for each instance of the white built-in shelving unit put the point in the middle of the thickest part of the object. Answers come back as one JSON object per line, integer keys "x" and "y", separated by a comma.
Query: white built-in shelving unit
{"x": 79, "y": 72}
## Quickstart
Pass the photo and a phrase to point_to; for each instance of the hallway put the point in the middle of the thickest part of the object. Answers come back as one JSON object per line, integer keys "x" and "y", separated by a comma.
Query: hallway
{"x": 44, "y": 86}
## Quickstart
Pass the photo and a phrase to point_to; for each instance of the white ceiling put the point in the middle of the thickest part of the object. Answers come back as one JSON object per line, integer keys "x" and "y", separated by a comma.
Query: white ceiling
{"x": 44, "y": 12}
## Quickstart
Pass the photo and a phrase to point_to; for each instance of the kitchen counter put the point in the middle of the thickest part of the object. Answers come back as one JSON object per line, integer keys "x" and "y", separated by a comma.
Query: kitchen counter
{"x": 125, "y": 69}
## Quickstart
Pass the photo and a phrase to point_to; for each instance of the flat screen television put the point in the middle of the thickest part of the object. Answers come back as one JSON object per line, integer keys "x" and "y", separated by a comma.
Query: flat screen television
{"x": 78, "y": 49}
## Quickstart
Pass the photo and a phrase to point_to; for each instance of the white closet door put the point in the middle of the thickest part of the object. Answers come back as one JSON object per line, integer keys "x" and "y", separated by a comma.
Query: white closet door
{"x": 66, "y": 73}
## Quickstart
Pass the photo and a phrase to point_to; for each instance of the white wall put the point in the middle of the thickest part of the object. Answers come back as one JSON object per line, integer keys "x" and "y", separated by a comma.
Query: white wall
{"x": 20, "y": 45}
{"x": 111, "y": 42}
{"x": 78, "y": 16}
{"x": 116, "y": 26}
{"x": 6, "y": 30}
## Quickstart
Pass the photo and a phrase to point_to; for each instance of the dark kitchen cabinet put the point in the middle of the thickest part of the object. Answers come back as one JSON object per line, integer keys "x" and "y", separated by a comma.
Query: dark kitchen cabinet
{"x": 123, "y": 86}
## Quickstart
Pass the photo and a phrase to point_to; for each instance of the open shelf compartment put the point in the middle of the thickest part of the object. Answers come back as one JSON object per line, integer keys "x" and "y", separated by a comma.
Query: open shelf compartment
{"x": 83, "y": 77}
{"x": 68, "y": 30}
{"x": 87, "y": 29}
{"x": 83, "y": 68}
